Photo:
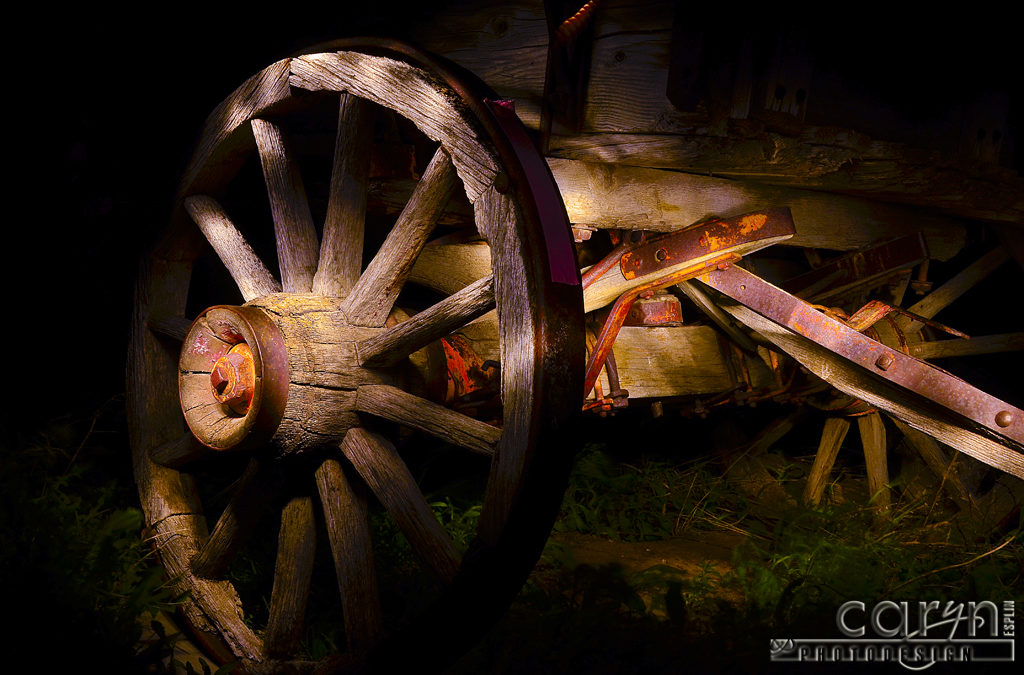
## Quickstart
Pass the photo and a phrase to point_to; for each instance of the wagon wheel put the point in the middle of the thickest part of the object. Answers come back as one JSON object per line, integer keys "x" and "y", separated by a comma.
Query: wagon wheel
{"x": 909, "y": 335}
{"x": 306, "y": 379}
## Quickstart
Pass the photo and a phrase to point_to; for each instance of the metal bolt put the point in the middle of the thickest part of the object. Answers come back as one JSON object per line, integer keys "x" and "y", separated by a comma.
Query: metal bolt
{"x": 885, "y": 360}
{"x": 1004, "y": 418}
{"x": 661, "y": 254}
{"x": 233, "y": 378}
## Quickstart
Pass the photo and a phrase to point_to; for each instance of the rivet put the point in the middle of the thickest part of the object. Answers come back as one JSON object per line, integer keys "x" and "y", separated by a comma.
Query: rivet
{"x": 1004, "y": 418}
{"x": 885, "y": 360}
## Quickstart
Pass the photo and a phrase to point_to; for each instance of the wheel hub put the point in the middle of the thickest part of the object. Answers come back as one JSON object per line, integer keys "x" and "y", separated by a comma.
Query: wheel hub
{"x": 282, "y": 369}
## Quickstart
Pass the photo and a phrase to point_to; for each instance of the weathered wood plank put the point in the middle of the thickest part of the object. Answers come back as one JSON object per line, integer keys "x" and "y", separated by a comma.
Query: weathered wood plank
{"x": 821, "y": 158}
{"x": 449, "y": 268}
{"x": 851, "y": 379}
{"x": 985, "y": 344}
{"x": 828, "y": 448}
{"x": 341, "y": 251}
{"x": 618, "y": 196}
{"x": 378, "y": 463}
{"x": 297, "y": 245}
{"x": 250, "y": 274}
{"x": 936, "y": 460}
{"x": 348, "y": 531}
{"x": 872, "y": 438}
{"x": 377, "y": 289}
{"x": 435, "y": 322}
{"x": 391, "y": 403}
{"x": 296, "y": 547}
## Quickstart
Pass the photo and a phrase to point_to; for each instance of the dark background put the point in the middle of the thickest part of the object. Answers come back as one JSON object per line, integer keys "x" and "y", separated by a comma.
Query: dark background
{"x": 106, "y": 106}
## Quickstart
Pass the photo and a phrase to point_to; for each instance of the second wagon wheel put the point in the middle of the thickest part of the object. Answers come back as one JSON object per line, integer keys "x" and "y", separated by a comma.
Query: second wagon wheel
{"x": 307, "y": 380}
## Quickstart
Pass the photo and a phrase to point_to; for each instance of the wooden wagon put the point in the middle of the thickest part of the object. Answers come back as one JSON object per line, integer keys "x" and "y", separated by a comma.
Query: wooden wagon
{"x": 438, "y": 274}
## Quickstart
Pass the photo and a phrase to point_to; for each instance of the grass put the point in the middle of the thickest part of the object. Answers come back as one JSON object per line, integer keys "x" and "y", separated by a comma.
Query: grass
{"x": 73, "y": 557}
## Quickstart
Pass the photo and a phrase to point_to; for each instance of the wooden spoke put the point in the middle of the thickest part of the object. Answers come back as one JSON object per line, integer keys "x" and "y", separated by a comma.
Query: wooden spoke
{"x": 178, "y": 452}
{"x": 988, "y": 344}
{"x": 828, "y": 447}
{"x": 929, "y": 450}
{"x": 395, "y": 344}
{"x": 174, "y": 327}
{"x": 348, "y": 531}
{"x": 373, "y": 296}
{"x": 941, "y": 297}
{"x": 341, "y": 251}
{"x": 378, "y": 463}
{"x": 250, "y": 274}
{"x": 296, "y": 546}
{"x": 297, "y": 245}
{"x": 237, "y": 522}
{"x": 391, "y": 403}
{"x": 872, "y": 437}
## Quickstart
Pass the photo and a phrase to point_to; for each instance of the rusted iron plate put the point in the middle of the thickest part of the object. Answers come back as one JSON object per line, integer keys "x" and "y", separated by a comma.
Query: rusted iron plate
{"x": 998, "y": 417}
{"x": 859, "y": 268}
{"x": 664, "y": 309}
{"x": 741, "y": 235}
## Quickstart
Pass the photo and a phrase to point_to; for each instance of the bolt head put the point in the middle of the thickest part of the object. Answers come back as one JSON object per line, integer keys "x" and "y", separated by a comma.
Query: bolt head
{"x": 233, "y": 378}
{"x": 1004, "y": 418}
{"x": 885, "y": 361}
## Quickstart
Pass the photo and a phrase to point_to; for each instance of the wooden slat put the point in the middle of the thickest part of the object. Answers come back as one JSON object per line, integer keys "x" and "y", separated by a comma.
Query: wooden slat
{"x": 714, "y": 312}
{"x": 297, "y": 245}
{"x": 391, "y": 403}
{"x": 296, "y": 547}
{"x": 373, "y": 296}
{"x": 348, "y": 531}
{"x": 174, "y": 327}
{"x": 941, "y": 297}
{"x": 617, "y": 196}
{"x": 819, "y": 158}
{"x": 914, "y": 409}
{"x": 449, "y": 268}
{"x": 936, "y": 460}
{"x": 341, "y": 252}
{"x": 250, "y": 274}
{"x": 872, "y": 438}
{"x": 986, "y": 344}
{"x": 828, "y": 447}
{"x": 378, "y": 463}
{"x": 237, "y": 521}
{"x": 178, "y": 452}
{"x": 394, "y": 344}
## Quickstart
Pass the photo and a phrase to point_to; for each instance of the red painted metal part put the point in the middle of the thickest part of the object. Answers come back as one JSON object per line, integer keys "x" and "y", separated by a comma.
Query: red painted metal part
{"x": 751, "y": 232}
{"x": 663, "y": 309}
{"x": 910, "y": 373}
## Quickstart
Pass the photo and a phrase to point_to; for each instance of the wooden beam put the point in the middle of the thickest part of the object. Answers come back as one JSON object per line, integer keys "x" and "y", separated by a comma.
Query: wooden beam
{"x": 872, "y": 438}
{"x": 617, "y": 196}
{"x": 296, "y": 547}
{"x": 986, "y": 344}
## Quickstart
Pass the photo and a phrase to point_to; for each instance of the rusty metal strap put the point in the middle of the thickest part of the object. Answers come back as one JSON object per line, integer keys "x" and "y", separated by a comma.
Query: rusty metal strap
{"x": 741, "y": 235}
{"x": 921, "y": 378}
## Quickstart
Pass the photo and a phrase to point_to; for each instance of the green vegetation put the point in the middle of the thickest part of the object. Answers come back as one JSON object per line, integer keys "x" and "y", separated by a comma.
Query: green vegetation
{"x": 75, "y": 560}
